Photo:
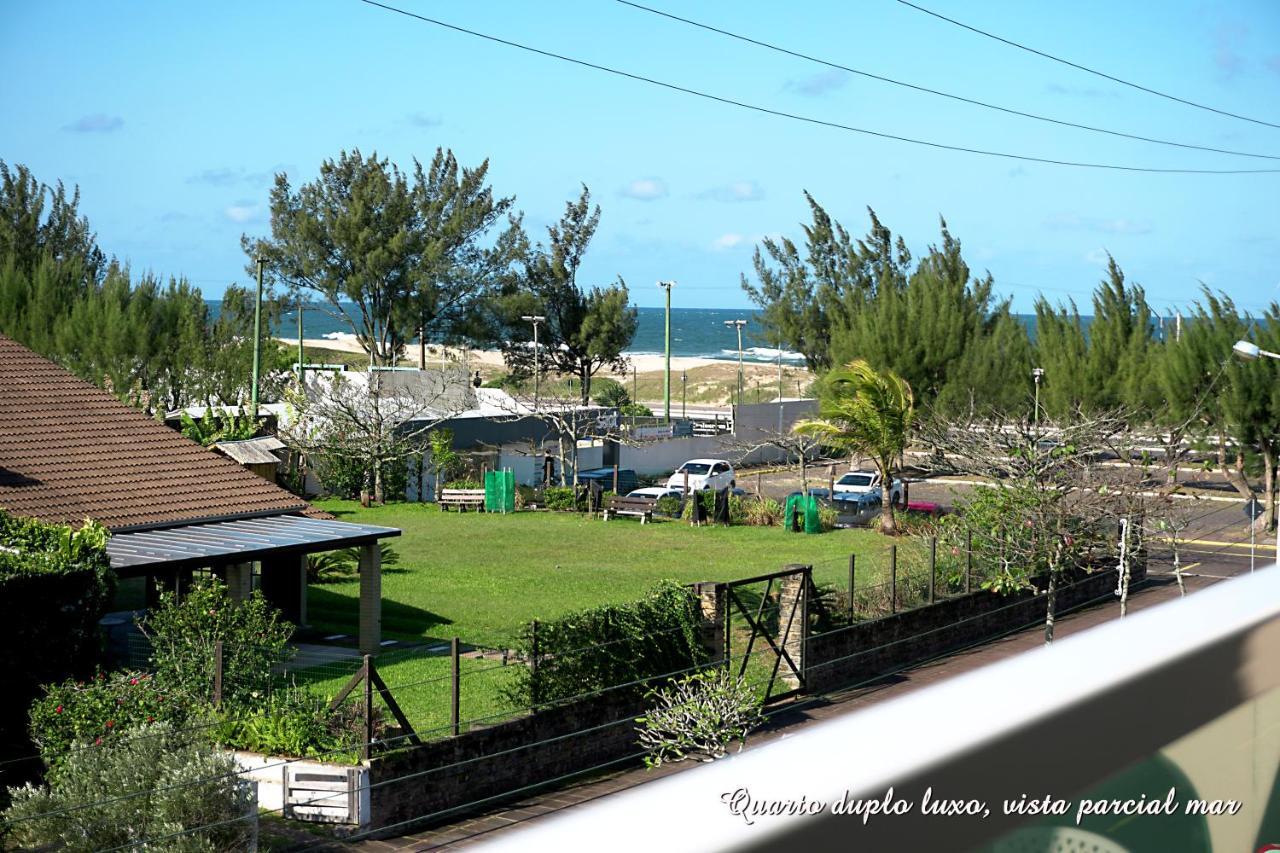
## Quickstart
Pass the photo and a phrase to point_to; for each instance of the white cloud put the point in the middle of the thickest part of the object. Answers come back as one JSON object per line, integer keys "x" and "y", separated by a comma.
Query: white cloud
{"x": 644, "y": 189}
{"x": 424, "y": 120}
{"x": 734, "y": 191}
{"x": 727, "y": 241}
{"x": 242, "y": 212}
{"x": 1097, "y": 256}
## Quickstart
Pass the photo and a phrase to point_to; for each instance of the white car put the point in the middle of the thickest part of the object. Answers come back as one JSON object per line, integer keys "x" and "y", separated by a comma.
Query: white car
{"x": 656, "y": 493}
{"x": 865, "y": 487}
{"x": 703, "y": 474}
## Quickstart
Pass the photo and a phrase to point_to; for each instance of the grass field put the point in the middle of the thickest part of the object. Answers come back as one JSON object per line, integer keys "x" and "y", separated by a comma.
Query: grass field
{"x": 480, "y": 577}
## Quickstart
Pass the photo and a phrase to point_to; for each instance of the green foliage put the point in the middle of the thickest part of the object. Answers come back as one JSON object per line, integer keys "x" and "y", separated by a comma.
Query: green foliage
{"x": 55, "y": 584}
{"x": 100, "y": 709}
{"x": 866, "y": 412}
{"x": 183, "y": 635}
{"x": 609, "y": 392}
{"x": 292, "y": 722}
{"x": 610, "y": 645}
{"x": 761, "y": 512}
{"x": 635, "y": 410}
{"x": 699, "y": 716}
{"x": 408, "y": 251}
{"x": 335, "y": 566}
{"x": 561, "y": 498}
{"x": 444, "y": 459}
{"x": 145, "y": 788}
{"x": 587, "y": 328}
{"x": 340, "y": 475}
{"x": 222, "y": 426}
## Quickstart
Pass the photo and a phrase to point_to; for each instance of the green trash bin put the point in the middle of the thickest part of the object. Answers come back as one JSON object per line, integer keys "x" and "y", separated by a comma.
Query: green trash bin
{"x": 812, "y": 518}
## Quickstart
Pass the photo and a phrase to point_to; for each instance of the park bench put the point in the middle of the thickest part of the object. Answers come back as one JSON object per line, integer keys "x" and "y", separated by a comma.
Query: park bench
{"x": 462, "y": 499}
{"x": 642, "y": 507}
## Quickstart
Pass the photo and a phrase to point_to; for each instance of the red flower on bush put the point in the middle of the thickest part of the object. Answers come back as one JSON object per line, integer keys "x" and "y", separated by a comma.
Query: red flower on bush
{"x": 97, "y": 741}
{"x": 57, "y": 710}
{"x": 150, "y": 719}
{"x": 111, "y": 723}
{"x": 133, "y": 681}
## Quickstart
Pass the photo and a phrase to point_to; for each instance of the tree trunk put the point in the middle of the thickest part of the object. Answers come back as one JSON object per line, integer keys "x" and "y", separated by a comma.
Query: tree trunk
{"x": 888, "y": 526}
{"x": 1269, "y": 486}
{"x": 585, "y": 378}
{"x": 378, "y": 496}
{"x": 1051, "y": 606}
{"x": 1124, "y": 567}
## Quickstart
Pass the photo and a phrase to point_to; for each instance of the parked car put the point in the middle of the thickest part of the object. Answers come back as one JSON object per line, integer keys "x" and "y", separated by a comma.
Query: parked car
{"x": 703, "y": 474}
{"x": 627, "y": 479}
{"x": 865, "y": 487}
{"x": 656, "y": 493}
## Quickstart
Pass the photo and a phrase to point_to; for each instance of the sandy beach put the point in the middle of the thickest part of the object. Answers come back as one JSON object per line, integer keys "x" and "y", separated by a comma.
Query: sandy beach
{"x": 643, "y": 363}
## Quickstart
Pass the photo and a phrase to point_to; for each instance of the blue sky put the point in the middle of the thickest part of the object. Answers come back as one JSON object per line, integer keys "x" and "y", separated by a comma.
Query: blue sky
{"x": 172, "y": 117}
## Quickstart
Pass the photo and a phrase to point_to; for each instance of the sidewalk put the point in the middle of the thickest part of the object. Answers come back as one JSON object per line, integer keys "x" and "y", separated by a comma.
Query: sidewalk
{"x": 513, "y": 816}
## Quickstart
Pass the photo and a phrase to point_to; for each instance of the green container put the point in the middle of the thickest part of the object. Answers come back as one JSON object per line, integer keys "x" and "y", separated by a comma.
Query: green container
{"x": 499, "y": 491}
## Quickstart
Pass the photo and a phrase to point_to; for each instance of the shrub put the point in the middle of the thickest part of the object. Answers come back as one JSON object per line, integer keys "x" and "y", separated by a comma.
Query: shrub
{"x": 828, "y": 517}
{"x": 223, "y": 426}
{"x": 525, "y": 495}
{"x": 699, "y": 716}
{"x": 292, "y": 722}
{"x": 669, "y": 506}
{"x": 335, "y": 566}
{"x": 609, "y": 392}
{"x": 55, "y": 584}
{"x": 464, "y": 484}
{"x": 635, "y": 410}
{"x": 181, "y": 785}
{"x": 559, "y": 498}
{"x": 611, "y": 645}
{"x": 762, "y": 512}
{"x": 340, "y": 476}
{"x": 183, "y": 635}
{"x": 98, "y": 710}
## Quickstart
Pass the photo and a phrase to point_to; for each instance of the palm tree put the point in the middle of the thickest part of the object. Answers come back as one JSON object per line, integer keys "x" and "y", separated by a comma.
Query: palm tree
{"x": 867, "y": 412}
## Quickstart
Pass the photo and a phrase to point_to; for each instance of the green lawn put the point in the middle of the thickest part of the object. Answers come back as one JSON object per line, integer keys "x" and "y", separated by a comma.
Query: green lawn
{"x": 480, "y": 576}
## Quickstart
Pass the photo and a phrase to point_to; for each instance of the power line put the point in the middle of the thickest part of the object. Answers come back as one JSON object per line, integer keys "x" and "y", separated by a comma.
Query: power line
{"x": 939, "y": 93}
{"x": 1084, "y": 68}
{"x": 806, "y": 119}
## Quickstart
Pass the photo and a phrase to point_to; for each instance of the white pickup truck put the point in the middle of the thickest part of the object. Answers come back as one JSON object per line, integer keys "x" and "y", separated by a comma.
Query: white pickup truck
{"x": 865, "y": 488}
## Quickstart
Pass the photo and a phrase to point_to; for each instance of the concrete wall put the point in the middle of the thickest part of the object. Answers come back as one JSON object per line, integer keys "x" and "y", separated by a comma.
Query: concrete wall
{"x": 752, "y": 423}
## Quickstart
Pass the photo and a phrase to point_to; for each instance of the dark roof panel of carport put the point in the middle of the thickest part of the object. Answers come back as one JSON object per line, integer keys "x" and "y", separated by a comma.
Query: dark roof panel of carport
{"x": 236, "y": 541}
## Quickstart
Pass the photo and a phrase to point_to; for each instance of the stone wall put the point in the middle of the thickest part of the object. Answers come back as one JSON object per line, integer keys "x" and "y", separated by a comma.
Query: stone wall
{"x": 866, "y": 650}
{"x": 450, "y": 774}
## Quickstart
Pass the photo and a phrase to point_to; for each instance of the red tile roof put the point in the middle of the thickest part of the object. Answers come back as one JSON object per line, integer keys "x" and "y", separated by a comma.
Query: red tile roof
{"x": 70, "y": 451}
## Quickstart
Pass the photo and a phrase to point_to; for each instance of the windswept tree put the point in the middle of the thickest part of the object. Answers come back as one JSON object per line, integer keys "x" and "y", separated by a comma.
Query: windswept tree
{"x": 867, "y": 412}
{"x": 586, "y": 330}
{"x": 392, "y": 255}
{"x": 39, "y": 222}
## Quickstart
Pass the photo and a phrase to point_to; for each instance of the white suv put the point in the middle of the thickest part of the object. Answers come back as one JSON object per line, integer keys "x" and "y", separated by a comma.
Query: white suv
{"x": 865, "y": 488}
{"x": 703, "y": 474}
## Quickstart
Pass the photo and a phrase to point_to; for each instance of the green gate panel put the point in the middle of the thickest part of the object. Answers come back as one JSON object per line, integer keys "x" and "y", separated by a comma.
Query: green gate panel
{"x": 499, "y": 491}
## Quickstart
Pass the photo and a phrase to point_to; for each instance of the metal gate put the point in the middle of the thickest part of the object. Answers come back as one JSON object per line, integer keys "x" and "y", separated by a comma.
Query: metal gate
{"x": 765, "y": 625}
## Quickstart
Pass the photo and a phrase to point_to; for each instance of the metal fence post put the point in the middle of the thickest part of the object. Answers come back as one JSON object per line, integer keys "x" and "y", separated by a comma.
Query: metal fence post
{"x": 217, "y": 673}
{"x": 853, "y": 562}
{"x": 533, "y": 664}
{"x": 455, "y": 702}
{"x": 368, "y": 708}
{"x": 893, "y": 578}
{"x": 933, "y": 567}
{"x": 968, "y": 561}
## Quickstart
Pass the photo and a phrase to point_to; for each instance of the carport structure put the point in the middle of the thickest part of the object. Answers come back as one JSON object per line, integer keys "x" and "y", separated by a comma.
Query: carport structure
{"x": 70, "y": 451}
{"x": 276, "y": 546}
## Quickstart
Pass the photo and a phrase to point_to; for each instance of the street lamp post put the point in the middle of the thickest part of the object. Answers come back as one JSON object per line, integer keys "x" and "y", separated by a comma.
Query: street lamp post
{"x": 535, "y": 319}
{"x": 1037, "y": 373}
{"x": 257, "y": 342}
{"x": 1251, "y": 351}
{"x": 666, "y": 375}
{"x": 738, "y": 324}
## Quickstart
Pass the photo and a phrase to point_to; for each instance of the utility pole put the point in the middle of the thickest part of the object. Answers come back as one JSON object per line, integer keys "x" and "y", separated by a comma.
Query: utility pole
{"x": 301, "y": 362}
{"x": 666, "y": 374}
{"x": 738, "y": 324}
{"x": 257, "y": 343}
{"x": 422, "y": 348}
{"x": 535, "y": 319}
{"x": 684, "y": 387}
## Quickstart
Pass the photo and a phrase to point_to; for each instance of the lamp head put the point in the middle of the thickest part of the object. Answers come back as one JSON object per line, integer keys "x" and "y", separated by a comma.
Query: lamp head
{"x": 1247, "y": 349}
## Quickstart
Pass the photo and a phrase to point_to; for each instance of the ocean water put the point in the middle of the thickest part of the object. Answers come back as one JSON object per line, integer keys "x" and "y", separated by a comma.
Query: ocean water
{"x": 698, "y": 332}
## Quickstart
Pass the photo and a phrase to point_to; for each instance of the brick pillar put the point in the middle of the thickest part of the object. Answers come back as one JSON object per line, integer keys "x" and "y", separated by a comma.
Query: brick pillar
{"x": 794, "y": 592}
{"x": 712, "y": 602}
{"x": 284, "y": 583}
{"x": 370, "y": 598}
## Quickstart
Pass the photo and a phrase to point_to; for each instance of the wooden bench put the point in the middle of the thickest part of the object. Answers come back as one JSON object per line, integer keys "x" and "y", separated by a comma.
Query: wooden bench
{"x": 462, "y": 499}
{"x": 642, "y": 507}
